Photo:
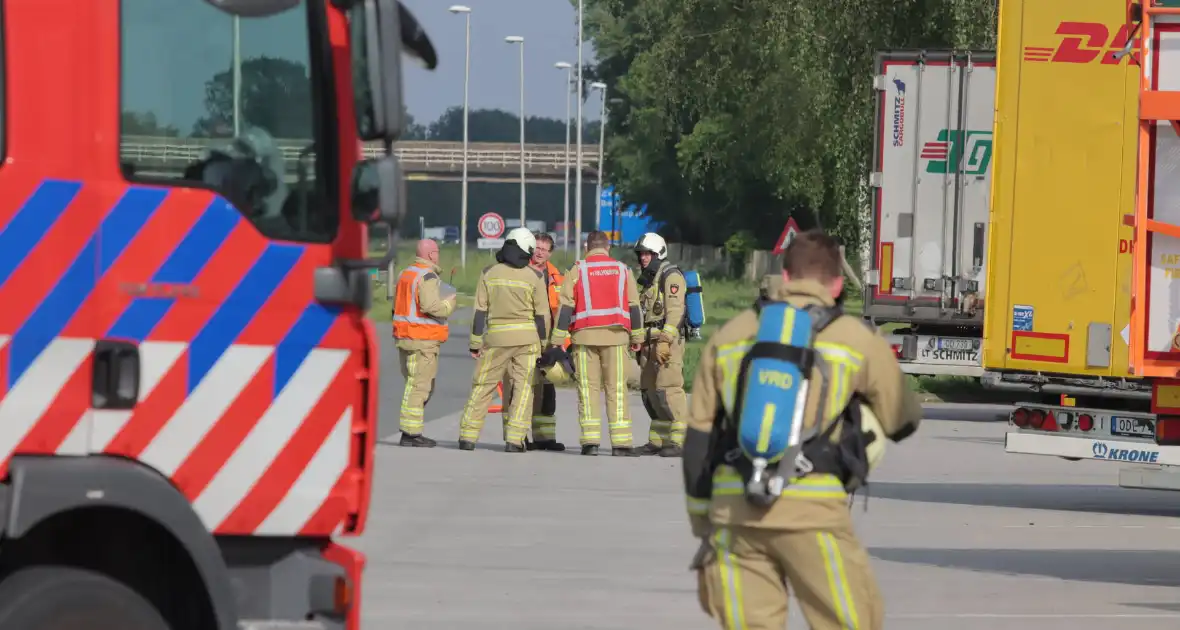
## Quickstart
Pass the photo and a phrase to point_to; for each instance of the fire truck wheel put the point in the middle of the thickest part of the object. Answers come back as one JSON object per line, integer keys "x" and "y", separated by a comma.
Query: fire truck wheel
{"x": 68, "y": 598}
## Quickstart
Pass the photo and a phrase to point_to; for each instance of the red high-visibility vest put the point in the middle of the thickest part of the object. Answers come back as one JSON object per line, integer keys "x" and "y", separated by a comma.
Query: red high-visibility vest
{"x": 600, "y": 294}
{"x": 408, "y": 321}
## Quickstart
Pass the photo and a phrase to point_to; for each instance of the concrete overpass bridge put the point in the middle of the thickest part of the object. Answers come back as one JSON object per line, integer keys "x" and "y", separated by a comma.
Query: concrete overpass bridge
{"x": 421, "y": 160}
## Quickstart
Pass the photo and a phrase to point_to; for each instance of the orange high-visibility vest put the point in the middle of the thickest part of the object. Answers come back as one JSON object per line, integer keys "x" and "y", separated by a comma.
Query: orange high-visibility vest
{"x": 555, "y": 282}
{"x": 600, "y": 294}
{"x": 409, "y": 322}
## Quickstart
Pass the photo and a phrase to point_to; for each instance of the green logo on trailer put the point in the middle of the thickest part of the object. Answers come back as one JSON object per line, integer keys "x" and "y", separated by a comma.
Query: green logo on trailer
{"x": 970, "y": 152}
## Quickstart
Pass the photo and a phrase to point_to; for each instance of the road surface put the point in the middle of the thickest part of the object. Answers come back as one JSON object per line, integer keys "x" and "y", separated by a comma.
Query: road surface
{"x": 962, "y": 535}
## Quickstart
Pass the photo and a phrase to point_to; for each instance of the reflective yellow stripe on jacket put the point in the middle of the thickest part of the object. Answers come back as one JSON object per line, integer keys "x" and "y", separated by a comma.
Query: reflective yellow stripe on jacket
{"x": 728, "y": 482}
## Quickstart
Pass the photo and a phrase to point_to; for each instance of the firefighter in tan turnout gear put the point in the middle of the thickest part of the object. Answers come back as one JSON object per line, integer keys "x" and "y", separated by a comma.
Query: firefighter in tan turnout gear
{"x": 661, "y": 360}
{"x": 600, "y": 308}
{"x": 509, "y": 326}
{"x": 753, "y": 547}
{"x": 419, "y": 325}
{"x": 544, "y": 393}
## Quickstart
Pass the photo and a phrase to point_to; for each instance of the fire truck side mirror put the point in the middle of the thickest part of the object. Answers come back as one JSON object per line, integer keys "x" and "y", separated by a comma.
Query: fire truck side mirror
{"x": 378, "y": 192}
{"x": 388, "y": 30}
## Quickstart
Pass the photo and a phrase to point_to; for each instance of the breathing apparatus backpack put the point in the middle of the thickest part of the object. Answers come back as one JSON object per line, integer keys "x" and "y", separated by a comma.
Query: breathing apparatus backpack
{"x": 766, "y": 430}
{"x": 694, "y": 303}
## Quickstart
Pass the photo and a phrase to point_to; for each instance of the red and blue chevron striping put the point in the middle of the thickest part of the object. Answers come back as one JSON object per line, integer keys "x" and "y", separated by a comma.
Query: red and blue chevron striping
{"x": 249, "y": 390}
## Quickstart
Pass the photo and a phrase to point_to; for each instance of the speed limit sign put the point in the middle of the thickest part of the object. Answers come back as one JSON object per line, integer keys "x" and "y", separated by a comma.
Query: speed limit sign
{"x": 491, "y": 225}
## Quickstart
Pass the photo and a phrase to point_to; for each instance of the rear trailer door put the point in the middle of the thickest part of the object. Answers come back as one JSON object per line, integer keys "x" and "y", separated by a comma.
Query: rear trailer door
{"x": 931, "y": 183}
{"x": 1059, "y": 268}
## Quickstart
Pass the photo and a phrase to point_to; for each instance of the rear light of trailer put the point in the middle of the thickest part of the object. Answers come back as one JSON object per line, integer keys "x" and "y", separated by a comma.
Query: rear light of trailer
{"x": 1085, "y": 422}
{"x": 1042, "y": 420}
{"x": 1167, "y": 431}
{"x": 897, "y": 350}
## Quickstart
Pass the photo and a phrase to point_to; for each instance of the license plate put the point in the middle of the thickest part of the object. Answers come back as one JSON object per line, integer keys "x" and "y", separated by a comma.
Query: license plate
{"x": 955, "y": 344}
{"x": 948, "y": 351}
{"x": 1131, "y": 427}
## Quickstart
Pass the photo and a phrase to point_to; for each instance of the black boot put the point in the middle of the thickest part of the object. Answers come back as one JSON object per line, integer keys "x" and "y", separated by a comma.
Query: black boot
{"x": 465, "y": 445}
{"x": 509, "y": 447}
{"x": 624, "y": 451}
{"x": 420, "y": 441}
{"x": 589, "y": 449}
{"x": 649, "y": 449}
{"x": 671, "y": 450}
{"x": 547, "y": 445}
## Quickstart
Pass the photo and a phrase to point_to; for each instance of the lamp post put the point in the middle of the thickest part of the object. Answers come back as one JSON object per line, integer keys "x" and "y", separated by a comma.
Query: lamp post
{"x": 237, "y": 76}
{"x": 601, "y": 139}
{"x": 578, "y": 173}
{"x": 459, "y": 9}
{"x": 561, "y": 65}
{"x": 516, "y": 39}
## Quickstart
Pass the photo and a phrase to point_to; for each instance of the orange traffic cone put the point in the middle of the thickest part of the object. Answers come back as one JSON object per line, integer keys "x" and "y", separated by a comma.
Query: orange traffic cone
{"x": 498, "y": 408}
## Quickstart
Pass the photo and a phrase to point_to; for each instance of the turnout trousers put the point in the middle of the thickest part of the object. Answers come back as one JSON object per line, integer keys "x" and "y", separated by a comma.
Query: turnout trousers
{"x": 544, "y": 409}
{"x": 419, "y": 368}
{"x": 662, "y": 390}
{"x": 514, "y": 364}
{"x": 602, "y": 369}
{"x": 744, "y": 580}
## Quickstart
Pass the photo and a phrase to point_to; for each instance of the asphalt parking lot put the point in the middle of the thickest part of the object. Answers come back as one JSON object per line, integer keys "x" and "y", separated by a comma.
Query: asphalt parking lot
{"x": 962, "y": 535}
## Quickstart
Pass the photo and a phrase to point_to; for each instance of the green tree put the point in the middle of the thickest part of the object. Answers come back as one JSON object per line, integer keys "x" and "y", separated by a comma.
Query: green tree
{"x": 412, "y": 130}
{"x": 145, "y": 124}
{"x": 275, "y": 93}
{"x": 738, "y": 114}
{"x": 497, "y": 125}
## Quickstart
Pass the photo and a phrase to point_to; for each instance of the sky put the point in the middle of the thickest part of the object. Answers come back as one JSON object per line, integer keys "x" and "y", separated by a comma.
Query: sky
{"x": 549, "y": 28}
{"x": 172, "y": 47}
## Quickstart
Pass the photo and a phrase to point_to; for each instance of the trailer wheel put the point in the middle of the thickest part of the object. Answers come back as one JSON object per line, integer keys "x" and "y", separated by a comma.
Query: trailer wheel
{"x": 68, "y": 598}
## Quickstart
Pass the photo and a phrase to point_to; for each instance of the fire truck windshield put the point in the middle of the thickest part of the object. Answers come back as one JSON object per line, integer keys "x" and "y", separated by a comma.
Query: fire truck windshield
{"x": 234, "y": 105}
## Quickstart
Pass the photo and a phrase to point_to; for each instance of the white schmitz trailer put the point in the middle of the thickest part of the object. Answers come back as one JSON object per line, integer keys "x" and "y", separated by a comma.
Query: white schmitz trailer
{"x": 931, "y": 183}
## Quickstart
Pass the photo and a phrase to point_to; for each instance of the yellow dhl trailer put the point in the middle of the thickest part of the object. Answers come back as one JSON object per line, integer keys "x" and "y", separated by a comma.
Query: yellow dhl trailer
{"x": 1062, "y": 238}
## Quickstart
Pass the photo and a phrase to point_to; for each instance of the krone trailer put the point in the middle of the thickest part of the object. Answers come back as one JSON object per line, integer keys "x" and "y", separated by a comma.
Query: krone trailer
{"x": 1063, "y": 242}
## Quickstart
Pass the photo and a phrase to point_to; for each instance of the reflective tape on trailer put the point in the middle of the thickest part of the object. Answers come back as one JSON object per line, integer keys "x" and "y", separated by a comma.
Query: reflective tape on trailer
{"x": 1122, "y": 451}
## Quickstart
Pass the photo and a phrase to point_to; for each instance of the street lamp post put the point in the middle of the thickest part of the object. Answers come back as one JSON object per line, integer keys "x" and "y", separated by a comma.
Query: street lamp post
{"x": 601, "y": 139}
{"x": 578, "y": 173}
{"x": 516, "y": 39}
{"x": 237, "y": 76}
{"x": 459, "y": 9}
{"x": 561, "y": 65}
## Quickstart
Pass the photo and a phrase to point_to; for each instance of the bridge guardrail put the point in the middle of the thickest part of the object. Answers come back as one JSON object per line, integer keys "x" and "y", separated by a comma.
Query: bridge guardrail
{"x": 146, "y": 149}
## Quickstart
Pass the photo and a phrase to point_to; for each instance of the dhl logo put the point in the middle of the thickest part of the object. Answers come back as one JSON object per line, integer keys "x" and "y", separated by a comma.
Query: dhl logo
{"x": 1082, "y": 42}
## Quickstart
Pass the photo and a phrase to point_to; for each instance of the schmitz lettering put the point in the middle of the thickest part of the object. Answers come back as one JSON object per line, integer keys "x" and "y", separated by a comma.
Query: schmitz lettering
{"x": 899, "y": 113}
{"x": 951, "y": 355}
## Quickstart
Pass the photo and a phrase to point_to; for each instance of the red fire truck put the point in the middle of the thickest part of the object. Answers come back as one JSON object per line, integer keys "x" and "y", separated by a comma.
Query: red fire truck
{"x": 187, "y": 378}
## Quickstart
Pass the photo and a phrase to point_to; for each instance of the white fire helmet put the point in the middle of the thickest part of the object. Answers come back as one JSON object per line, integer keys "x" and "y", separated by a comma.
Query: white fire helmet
{"x": 523, "y": 237}
{"x": 654, "y": 243}
{"x": 870, "y": 424}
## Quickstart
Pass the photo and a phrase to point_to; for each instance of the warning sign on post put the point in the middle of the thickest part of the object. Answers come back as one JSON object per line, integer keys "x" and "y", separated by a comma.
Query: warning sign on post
{"x": 784, "y": 239}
